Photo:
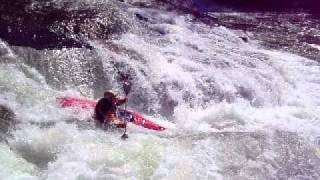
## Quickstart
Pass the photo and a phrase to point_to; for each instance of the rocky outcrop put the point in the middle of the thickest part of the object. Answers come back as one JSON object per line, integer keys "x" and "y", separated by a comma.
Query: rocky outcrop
{"x": 6, "y": 121}
{"x": 79, "y": 68}
{"x": 49, "y": 24}
{"x": 272, "y": 5}
{"x": 245, "y": 5}
{"x": 292, "y": 32}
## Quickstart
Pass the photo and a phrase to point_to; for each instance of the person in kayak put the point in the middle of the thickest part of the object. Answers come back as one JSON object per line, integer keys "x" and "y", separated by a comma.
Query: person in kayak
{"x": 106, "y": 110}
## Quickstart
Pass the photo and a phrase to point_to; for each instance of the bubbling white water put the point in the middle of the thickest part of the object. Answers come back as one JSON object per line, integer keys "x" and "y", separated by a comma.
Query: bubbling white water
{"x": 238, "y": 111}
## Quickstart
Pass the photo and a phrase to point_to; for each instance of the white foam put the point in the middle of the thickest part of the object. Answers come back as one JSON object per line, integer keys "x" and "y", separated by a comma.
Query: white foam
{"x": 13, "y": 166}
{"x": 220, "y": 84}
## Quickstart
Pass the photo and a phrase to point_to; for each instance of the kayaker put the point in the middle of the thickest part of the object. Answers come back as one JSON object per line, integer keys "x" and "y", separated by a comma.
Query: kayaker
{"x": 106, "y": 110}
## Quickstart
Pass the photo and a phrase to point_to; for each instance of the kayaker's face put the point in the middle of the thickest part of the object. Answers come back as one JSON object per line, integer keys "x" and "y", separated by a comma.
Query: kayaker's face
{"x": 114, "y": 100}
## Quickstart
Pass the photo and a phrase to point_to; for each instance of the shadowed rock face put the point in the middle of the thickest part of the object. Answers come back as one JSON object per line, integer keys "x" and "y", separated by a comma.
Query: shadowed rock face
{"x": 6, "y": 121}
{"x": 77, "y": 67}
{"x": 44, "y": 24}
{"x": 246, "y": 5}
{"x": 275, "y": 5}
{"x": 293, "y": 32}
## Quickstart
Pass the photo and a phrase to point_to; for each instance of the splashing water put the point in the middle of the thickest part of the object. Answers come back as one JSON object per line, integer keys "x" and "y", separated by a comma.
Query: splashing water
{"x": 233, "y": 110}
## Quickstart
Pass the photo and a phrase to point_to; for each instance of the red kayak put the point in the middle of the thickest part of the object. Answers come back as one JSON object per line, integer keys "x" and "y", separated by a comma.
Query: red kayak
{"x": 138, "y": 119}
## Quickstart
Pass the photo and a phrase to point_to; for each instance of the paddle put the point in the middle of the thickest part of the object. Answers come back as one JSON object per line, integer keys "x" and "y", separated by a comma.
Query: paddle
{"x": 125, "y": 78}
{"x": 126, "y": 88}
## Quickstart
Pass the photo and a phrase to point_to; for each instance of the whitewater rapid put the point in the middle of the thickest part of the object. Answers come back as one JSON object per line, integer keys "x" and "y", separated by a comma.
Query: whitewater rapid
{"x": 233, "y": 109}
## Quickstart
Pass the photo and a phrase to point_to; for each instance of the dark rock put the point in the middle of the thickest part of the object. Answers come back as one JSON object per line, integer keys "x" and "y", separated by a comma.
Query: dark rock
{"x": 290, "y": 32}
{"x": 244, "y": 39}
{"x": 245, "y": 5}
{"x": 43, "y": 24}
{"x": 140, "y": 4}
{"x": 246, "y": 93}
{"x": 140, "y": 17}
{"x": 7, "y": 121}
{"x": 272, "y": 5}
{"x": 310, "y": 39}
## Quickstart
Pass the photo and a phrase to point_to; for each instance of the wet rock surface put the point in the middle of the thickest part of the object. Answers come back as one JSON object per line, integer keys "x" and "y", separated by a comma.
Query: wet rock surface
{"x": 83, "y": 70}
{"x": 292, "y": 32}
{"x": 245, "y": 5}
{"x": 45, "y": 24}
{"x": 6, "y": 121}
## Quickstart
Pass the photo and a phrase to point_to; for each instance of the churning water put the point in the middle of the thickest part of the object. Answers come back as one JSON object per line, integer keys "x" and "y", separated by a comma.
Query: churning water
{"x": 233, "y": 109}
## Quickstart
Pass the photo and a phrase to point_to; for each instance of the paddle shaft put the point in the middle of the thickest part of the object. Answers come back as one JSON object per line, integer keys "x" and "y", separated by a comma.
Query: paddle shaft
{"x": 126, "y": 88}
{"x": 125, "y": 135}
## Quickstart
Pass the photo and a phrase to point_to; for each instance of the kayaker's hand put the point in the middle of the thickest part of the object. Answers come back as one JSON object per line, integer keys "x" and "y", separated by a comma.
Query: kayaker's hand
{"x": 121, "y": 101}
{"x": 131, "y": 118}
{"x": 120, "y": 125}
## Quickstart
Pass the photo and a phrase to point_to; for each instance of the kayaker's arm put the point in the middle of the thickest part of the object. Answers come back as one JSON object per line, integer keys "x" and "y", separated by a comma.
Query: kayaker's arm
{"x": 113, "y": 120}
{"x": 120, "y": 125}
{"x": 121, "y": 101}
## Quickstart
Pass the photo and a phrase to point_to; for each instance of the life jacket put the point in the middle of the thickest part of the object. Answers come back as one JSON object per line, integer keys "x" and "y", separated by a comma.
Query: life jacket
{"x": 104, "y": 107}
